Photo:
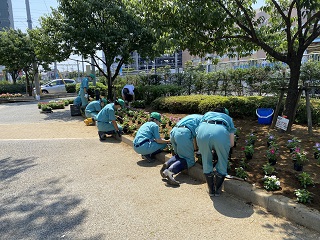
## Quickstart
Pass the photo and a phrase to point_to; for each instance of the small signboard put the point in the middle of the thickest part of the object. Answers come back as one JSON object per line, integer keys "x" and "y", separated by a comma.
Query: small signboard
{"x": 282, "y": 123}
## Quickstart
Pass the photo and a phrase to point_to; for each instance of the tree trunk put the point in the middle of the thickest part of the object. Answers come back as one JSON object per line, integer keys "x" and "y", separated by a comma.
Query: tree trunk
{"x": 29, "y": 86}
{"x": 293, "y": 93}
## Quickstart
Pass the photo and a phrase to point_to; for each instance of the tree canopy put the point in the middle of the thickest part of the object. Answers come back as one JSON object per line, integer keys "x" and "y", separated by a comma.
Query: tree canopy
{"x": 284, "y": 30}
{"x": 16, "y": 51}
{"x": 90, "y": 27}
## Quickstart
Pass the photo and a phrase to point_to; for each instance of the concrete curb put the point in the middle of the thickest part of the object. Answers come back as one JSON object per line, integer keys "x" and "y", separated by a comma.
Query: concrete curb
{"x": 42, "y": 98}
{"x": 276, "y": 204}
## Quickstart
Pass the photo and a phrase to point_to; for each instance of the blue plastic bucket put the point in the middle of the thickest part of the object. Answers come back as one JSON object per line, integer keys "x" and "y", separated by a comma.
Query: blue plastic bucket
{"x": 264, "y": 115}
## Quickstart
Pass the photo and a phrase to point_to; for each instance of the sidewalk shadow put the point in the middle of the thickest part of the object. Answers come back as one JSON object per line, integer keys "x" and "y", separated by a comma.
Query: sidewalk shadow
{"x": 62, "y": 115}
{"x": 235, "y": 208}
{"x": 183, "y": 178}
{"x": 110, "y": 139}
{"x": 145, "y": 163}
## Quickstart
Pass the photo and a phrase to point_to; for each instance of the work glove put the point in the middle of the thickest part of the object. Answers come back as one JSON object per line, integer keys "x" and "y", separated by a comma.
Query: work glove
{"x": 119, "y": 133}
{"x": 86, "y": 95}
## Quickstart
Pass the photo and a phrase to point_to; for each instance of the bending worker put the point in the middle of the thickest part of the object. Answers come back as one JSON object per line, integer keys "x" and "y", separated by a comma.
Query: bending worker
{"x": 183, "y": 139}
{"x": 215, "y": 132}
{"x": 128, "y": 93}
{"x": 92, "y": 110}
{"x": 147, "y": 141}
{"x": 106, "y": 120}
{"x": 94, "y": 107}
{"x": 84, "y": 86}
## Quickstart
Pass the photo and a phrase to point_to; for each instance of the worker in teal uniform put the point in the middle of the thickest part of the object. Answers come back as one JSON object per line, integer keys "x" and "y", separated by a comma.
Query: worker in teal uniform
{"x": 215, "y": 132}
{"x": 147, "y": 141}
{"x": 77, "y": 101}
{"x": 106, "y": 120}
{"x": 94, "y": 107}
{"x": 84, "y": 86}
{"x": 183, "y": 139}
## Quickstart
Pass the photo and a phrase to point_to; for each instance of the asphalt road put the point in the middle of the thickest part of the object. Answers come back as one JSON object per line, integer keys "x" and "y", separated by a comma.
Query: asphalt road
{"x": 58, "y": 181}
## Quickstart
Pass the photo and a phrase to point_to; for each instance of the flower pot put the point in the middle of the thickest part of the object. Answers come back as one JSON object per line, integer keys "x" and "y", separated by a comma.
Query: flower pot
{"x": 297, "y": 166}
{"x": 272, "y": 161}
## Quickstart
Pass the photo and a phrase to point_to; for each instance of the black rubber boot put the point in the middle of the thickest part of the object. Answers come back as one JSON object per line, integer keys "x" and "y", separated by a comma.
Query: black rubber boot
{"x": 210, "y": 182}
{"x": 102, "y": 135}
{"x": 219, "y": 182}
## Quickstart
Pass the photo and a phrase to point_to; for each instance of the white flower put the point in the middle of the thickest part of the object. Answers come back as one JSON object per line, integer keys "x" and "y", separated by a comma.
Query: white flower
{"x": 278, "y": 183}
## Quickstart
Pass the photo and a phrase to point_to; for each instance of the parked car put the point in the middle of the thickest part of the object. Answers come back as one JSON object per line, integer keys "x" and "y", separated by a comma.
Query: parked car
{"x": 56, "y": 86}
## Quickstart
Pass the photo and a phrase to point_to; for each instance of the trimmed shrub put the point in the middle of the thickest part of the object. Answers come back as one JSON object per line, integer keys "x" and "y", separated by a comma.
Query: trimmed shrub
{"x": 6, "y": 87}
{"x": 239, "y": 107}
{"x": 150, "y": 93}
{"x": 71, "y": 88}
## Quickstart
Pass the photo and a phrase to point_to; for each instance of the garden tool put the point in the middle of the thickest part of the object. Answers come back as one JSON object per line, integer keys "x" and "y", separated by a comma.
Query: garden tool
{"x": 234, "y": 177}
{"x": 210, "y": 182}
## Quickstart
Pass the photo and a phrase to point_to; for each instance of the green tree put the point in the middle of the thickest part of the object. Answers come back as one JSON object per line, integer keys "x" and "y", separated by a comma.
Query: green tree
{"x": 14, "y": 46}
{"x": 24, "y": 52}
{"x": 88, "y": 27}
{"x": 232, "y": 27}
{"x": 16, "y": 54}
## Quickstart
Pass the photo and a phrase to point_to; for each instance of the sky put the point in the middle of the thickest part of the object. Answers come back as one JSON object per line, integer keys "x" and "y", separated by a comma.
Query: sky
{"x": 39, "y": 8}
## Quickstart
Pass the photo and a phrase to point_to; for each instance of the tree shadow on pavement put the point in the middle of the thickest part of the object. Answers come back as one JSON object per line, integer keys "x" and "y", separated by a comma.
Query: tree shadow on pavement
{"x": 10, "y": 168}
{"x": 44, "y": 211}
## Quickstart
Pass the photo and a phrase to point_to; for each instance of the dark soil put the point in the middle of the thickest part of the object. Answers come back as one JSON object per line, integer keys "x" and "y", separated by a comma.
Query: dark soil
{"x": 284, "y": 166}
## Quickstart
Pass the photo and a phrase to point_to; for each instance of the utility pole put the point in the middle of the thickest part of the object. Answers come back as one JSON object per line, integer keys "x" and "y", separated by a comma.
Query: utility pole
{"x": 34, "y": 64}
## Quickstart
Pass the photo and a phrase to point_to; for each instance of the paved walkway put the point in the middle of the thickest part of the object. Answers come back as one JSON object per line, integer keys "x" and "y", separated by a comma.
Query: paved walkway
{"x": 58, "y": 181}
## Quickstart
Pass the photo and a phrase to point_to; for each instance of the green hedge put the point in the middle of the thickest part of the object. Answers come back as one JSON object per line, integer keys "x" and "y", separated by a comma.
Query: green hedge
{"x": 150, "y": 93}
{"x": 71, "y": 88}
{"x": 239, "y": 107}
{"x": 6, "y": 87}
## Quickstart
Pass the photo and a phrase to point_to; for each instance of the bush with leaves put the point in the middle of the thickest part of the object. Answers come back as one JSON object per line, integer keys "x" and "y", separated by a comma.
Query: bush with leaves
{"x": 305, "y": 179}
{"x": 241, "y": 173}
{"x": 303, "y": 195}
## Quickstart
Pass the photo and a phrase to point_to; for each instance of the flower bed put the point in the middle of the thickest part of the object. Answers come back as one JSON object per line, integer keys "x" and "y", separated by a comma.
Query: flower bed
{"x": 254, "y": 170}
{"x": 10, "y": 95}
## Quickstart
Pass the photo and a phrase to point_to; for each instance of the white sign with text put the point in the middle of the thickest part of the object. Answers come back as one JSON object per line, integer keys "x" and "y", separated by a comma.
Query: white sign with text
{"x": 282, "y": 123}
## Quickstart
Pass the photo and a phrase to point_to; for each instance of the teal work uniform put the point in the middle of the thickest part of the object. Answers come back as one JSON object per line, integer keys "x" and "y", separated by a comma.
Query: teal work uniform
{"x": 182, "y": 135}
{"x": 77, "y": 101}
{"x": 144, "y": 143}
{"x": 84, "y": 84}
{"x": 214, "y": 133}
{"x": 105, "y": 118}
{"x": 92, "y": 109}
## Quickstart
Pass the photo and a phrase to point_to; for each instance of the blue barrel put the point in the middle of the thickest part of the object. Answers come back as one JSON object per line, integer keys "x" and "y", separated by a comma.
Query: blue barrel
{"x": 264, "y": 115}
